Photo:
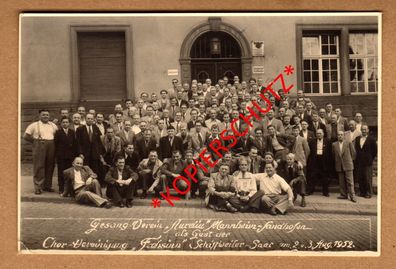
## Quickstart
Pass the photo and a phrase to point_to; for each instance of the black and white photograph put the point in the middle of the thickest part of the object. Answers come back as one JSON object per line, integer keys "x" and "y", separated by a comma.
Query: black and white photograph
{"x": 200, "y": 133}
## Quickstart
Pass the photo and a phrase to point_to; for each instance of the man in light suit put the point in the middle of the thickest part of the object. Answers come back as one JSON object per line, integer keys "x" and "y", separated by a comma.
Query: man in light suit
{"x": 270, "y": 120}
{"x": 198, "y": 138}
{"x": 148, "y": 170}
{"x": 126, "y": 135}
{"x": 344, "y": 154}
{"x": 300, "y": 149}
{"x": 80, "y": 182}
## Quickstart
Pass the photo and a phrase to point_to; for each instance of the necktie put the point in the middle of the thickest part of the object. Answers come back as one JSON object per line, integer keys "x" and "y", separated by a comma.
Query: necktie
{"x": 170, "y": 141}
{"x": 90, "y": 133}
{"x": 140, "y": 112}
{"x": 200, "y": 140}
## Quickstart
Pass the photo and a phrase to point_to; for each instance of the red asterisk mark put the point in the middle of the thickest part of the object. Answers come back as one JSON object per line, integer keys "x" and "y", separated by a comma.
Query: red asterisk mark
{"x": 155, "y": 202}
{"x": 289, "y": 70}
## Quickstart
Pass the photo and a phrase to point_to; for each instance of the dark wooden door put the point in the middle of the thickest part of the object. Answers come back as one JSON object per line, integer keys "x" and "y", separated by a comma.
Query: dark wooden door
{"x": 215, "y": 70}
{"x": 102, "y": 62}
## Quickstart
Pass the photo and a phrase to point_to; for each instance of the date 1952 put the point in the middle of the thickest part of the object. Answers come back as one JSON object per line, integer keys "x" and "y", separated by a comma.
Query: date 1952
{"x": 318, "y": 245}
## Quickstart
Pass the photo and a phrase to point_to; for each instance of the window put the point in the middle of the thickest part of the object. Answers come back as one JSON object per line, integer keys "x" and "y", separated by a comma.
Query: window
{"x": 363, "y": 62}
{"x": 321, "y": 63}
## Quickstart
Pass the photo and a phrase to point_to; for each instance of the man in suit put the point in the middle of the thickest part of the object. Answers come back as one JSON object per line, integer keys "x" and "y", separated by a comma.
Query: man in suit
{"x": 80, "y": 182}
{"x": 319, "y": 163}
{"x": 102, "y": 125}
{"x": 185, "y": 136}
{"x": 121, "y": 183}
{"x": 118, "y": 125}
{"x": 112, "y": 146}
{"x": 193, "y": 119}
{"x": 259, "y": 142}
{"x": 278, "y": 144}
{"x": 352, "y": 133}
{"x": 366, "y": 151}
{"x": 305, "y": 132}
{"x": 255, "y": 162}
{"x": 292, "y": 171}
{"x": 126, "y": 135}
{"x": 287, "y": 126}
{"x": 178, "y": 122}
{"x": 341, "y": 120}
{"x": 90, "y": 146}
{"x": 140, "y": 110}
{"x": 130, "y": 155}
{"x": 300, "y": 149}
{"x": 173, "y": 108}
{"x": 76, "y": 122}
{"x": 316, "y": 124}
{"x": 344, "y": 154}
{"x": 65, "y": 150}
{"x": 333, "y": 127}
{"x": 171, "y": 169}
{"x": 145, "y": 145}
{"x": 213, "y": 119}
{"x": 169, "y": 143}
{"x": 198, "y": 138}
{"x": 270, "y": 120}
{"x": 149, "y": 172}
{"x": 159, "y": 130}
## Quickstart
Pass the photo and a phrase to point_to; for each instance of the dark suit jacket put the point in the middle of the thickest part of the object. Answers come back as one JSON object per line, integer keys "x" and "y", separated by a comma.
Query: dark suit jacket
{"x": 68, "y": 174}
{"x": 90, "y": 149}
{"x": 366, "y": 154}
{"x": 314, "y": 162}
{"x": 65, "y": 145}
{"x": 142, "y": 149}
{"x": 320, "y": 126}
{"x": 243, "y": 145}
{"x": 261, "y": 146}
{"x": 283, "y": 171}
{"x": 112, "y": 174}
{"x": 344, "y": 159}
{"x": 310, "y": 135}
{"x": 166, "y": 149}
{"x": 132, "y": 161}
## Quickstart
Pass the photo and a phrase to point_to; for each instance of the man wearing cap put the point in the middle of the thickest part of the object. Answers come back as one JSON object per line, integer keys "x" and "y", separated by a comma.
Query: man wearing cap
{"x": 41, "y": 134}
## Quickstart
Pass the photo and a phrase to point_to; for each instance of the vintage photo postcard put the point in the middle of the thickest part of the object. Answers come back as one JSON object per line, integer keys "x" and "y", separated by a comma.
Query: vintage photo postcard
{"x": 200, "y": 133}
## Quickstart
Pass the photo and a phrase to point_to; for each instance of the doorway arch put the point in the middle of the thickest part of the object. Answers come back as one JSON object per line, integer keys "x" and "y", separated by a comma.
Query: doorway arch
{"x": 215, "y": 24}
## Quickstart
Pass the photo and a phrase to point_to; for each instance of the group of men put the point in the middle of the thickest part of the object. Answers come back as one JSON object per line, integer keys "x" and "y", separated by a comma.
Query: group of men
{"x": 147, "y": 143}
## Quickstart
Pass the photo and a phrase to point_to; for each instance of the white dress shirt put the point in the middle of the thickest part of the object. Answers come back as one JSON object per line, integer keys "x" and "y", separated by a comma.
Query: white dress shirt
{"x": 40, "y": 130}
{"x": 78, "y": 182}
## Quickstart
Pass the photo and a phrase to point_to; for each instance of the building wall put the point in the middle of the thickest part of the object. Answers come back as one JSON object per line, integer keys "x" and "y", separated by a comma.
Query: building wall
{"x": 156, "y": 42}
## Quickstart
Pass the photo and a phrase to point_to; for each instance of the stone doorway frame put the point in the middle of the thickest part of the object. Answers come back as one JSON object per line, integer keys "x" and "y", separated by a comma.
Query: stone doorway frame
{"x": 215, "y": 24}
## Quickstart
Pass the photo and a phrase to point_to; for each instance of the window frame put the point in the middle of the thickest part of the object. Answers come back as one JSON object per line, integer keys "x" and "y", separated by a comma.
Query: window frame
{"x": 366, "y": 57}
{"x": 344, "y": 30}
{"x": 320, "y": 57}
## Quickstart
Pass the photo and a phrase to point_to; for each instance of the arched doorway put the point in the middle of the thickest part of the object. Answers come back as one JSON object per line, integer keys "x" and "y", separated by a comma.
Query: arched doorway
{"x": 198, "y": 65}
{"x": 215, "y": 55}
